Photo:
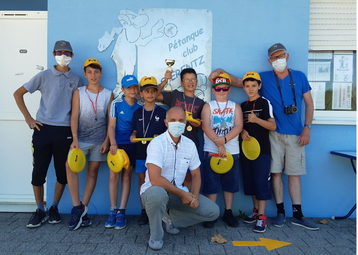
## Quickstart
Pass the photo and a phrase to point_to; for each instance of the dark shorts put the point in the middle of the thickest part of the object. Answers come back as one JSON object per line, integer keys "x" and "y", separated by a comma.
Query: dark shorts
{"x": 211, "y": 180}
{"x": 256, "y": 176}
{"x": 50, "y": 141}
{"x": 131, "y": 150}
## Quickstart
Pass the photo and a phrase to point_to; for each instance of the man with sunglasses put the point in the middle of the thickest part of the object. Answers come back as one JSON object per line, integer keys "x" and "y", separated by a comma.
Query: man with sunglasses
{"x": 286, "y": 89}
{"x": 52, "y": 135}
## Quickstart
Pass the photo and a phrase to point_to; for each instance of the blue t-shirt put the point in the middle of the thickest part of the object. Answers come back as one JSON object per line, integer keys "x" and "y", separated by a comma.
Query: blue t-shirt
{"x": 123, "y": 112}
{"x": 289, "y": 124}
{"x": 156, "y": 127}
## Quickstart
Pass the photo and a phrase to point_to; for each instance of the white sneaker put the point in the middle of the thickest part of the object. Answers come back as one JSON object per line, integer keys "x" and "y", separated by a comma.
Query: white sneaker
{"x": 169, "y": 225}
{"x": 155, "y": 245}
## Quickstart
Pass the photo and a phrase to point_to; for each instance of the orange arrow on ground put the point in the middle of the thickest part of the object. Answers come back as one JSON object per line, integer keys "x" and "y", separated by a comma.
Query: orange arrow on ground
{"x": 268, "y": 243}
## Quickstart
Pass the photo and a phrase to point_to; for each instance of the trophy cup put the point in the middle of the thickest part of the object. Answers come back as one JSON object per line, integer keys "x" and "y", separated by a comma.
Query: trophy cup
{"x": 170, "y": 63}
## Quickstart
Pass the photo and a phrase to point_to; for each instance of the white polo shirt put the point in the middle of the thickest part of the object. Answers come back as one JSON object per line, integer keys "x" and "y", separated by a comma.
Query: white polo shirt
{"x": 174, "y": 162}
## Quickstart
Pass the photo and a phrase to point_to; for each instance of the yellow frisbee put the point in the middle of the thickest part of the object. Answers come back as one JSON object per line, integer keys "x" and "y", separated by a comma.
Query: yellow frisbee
{"x": 115, "y": 162}
{"x": 251, "y": 149}
{"x": 189, "y": 117}
{"x": 76, "y": 160}
{"x": 221, "y": 165}
{"x": 143, "y": 139}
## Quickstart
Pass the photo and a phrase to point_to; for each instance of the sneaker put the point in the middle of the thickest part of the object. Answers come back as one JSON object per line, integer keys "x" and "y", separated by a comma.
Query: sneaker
{"x": 260, "y": 223}
{"x": 229, "y": 219}
{"x": 169, "y": 227}
{"x": 38, "y": 217}
{"x": 143, "y": 220}
{"x": 252, "y": 217}
{"x": 155, "y": 245}
{"x": 305, "y": 223}
{"x": 120, "y": 221}
{"x": 53, "y": 215}
{"x": 86, "y": 222}
{"x": 279, "y": 220}
{"x": 209, "y": 224}
{"x": 111, "y": 219}
{"x": 76, "y": 217}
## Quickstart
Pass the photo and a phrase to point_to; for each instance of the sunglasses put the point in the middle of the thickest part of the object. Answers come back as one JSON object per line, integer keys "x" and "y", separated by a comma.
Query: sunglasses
{"x": 224, "y": 89}
{"x": 66, "y": 53}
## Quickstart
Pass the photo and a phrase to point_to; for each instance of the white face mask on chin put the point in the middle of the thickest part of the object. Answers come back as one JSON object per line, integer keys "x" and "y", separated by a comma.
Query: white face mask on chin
{"x": 176, "y": 129}
{"x": 63, "y": 60}
{"x": 279, "y": 65}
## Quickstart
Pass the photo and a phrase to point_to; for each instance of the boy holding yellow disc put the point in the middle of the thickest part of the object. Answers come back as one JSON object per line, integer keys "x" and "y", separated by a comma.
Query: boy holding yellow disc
{"x": 222, "y": 124}
{"x": 258, "y": 121}
{"x": 90, "y": 107}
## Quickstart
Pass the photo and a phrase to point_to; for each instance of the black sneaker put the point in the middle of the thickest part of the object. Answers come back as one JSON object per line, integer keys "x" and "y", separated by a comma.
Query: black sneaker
{"x": 252, "y": 217}
{"x": 209, "y": 224}
{"x": 86, "y": 221}
{"x": 38, "y": 217}
{"x": 229, "y": 219}
{"x": 143, "y": 220}
{"x": 53, "y": 215}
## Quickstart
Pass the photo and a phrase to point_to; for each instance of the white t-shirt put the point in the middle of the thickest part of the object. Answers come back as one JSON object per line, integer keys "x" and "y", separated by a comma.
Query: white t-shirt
{"x": 174, "y": 162}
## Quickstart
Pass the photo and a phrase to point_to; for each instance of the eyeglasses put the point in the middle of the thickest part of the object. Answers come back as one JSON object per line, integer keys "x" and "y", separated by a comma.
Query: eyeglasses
{"x": 189, "y": 81}
{"x": 224, "y": 89}
{"x": 281, "y": 56}
{"x": 66, "y": 53}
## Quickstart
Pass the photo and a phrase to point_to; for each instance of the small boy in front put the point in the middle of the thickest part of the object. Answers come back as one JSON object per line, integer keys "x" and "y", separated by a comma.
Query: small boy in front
{"x": 222, "y": 124}
{"x": 258, "y": 121}
{"x": 148, "y": 122}
{"x": 90, "y": 107}
{"x": 119, "y": 132}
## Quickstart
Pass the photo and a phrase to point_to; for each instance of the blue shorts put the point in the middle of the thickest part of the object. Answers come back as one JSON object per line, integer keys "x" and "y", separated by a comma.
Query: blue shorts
{"x": 131, "y": 150}
{"x": 140, "y": 166}
{"x": 256, "y": 176}
{"x": 211, "y": 180}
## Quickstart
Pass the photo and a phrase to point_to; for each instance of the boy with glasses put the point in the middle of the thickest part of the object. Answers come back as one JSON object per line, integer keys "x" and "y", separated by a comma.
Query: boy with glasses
{"x": 52, "y": 133}
{"x": 222, "y": 124}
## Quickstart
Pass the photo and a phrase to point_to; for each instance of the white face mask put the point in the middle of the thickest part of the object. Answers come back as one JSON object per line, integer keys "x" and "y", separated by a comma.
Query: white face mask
{"x": 279, "y": 65}
{"x": 63, "y": 60}
{"x": 176, "y": 129}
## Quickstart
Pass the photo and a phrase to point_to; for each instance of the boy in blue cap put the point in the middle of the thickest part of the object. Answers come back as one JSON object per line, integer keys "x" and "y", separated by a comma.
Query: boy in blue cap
{"x": 119, "y": 131}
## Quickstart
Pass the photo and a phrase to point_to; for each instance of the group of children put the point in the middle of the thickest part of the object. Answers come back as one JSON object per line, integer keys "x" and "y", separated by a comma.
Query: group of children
{"x": 224, "y": 122}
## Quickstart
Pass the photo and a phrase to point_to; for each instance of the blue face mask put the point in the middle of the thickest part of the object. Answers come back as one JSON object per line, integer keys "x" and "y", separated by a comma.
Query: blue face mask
{"x": 176, "y": 129}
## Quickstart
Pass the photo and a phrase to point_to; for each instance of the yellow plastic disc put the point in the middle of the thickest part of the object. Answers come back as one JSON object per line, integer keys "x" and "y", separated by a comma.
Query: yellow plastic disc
{"x": 189, "y": 117}
{"x": 143, "y": 139}
{"x": 76, "y": 160}
{"x": 251, "y": 149}
{"x": 115, "y": 162}
{"x": 222, "y": 165}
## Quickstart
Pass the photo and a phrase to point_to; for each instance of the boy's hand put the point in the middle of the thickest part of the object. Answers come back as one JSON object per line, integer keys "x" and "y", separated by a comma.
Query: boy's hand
{"x": 168, "y": 75}
{"x": 245, "y": 135}
{"x": 33, "y": 123}
{"x": 219, "y": 141}
{"x": 104, "y": 147}
{"x": 252, "y": 117}
{"x": 222, "y": 151}
{"x": 113, "y": 149}
{"x": 74, "y": 144}
{"x": 132, "y": 137}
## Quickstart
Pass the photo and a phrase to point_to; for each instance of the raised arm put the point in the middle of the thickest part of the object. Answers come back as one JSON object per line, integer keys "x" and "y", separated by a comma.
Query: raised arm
{"x": 235, "y": 81}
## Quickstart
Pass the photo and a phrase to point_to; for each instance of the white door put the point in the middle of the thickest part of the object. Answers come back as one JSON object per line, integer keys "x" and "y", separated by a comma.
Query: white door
{"x": 23, "y": 54}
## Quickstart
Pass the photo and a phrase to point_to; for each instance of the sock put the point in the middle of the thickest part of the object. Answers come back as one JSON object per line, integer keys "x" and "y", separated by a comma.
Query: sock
{"x": 297, "y": 212}
{"x": 41, "y": 206}
{"x": 55, "y": 203}
{"x": 143, "y": 210}
{"x": 122, "y": 210}
{"x": 114, "y": 208}
{"x": 280, "y": 209}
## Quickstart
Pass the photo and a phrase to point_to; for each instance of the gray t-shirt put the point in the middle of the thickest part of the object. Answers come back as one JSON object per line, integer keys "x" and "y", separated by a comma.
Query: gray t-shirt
{"x": 92, "y": 129}
{"x": 56, "y": 90}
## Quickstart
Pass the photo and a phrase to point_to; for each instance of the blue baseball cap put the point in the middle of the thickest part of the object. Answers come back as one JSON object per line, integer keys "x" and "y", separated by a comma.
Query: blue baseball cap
{"x": 128, "y": 81}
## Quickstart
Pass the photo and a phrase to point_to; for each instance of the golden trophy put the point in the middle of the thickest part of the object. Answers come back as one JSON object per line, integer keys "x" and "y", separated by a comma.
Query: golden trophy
{"x": 168, "y": 86}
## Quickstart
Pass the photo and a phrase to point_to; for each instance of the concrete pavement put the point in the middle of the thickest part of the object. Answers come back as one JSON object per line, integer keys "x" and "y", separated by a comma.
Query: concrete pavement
{"x": 338, "y": 237}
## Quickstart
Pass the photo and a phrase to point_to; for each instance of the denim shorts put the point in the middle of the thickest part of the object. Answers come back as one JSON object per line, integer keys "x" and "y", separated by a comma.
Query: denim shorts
{"x": 211, "y": 180}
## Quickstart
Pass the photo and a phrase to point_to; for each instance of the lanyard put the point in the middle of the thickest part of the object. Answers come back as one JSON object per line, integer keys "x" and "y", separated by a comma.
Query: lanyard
{"x": 253, "y": 107}
{"x": 151, "y": 116}
{"x": 292, "y": 87}
{"x": 93, "y": 106}
{"x": 192, "y": 106}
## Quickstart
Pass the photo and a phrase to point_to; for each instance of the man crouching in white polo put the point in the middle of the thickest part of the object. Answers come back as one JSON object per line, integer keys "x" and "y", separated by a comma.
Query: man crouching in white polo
{"x": 169, "y": 156}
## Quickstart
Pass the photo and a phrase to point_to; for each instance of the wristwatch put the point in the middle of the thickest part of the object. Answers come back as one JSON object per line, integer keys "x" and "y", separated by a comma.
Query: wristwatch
{"x": 309, "y": 126}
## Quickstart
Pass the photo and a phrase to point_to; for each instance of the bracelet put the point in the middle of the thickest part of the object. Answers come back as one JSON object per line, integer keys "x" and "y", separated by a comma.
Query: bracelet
{"x": 225, "y": 139}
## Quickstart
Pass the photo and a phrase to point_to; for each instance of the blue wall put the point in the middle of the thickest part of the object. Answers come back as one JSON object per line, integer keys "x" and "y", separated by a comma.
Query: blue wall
{"x": 242, "y": 32}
